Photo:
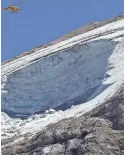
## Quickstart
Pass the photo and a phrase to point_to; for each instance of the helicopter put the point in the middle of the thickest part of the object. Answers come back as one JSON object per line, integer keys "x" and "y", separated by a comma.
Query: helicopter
{"x": 13, "y": 8}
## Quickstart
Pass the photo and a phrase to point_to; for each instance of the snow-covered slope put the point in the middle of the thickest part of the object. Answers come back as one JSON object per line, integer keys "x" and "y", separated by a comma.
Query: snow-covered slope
{"x": 85, "y": 70}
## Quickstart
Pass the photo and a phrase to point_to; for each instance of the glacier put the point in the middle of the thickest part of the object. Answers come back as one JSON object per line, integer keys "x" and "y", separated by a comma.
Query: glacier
{"x": 75, "y": 75}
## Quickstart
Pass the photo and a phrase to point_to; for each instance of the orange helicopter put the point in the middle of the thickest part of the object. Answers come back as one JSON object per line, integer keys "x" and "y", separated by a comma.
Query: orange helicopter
{"x": 13, "y": 8}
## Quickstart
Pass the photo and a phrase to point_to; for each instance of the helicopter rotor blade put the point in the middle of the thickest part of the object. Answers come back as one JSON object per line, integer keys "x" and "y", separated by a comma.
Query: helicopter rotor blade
{"x": 20, "y": 1}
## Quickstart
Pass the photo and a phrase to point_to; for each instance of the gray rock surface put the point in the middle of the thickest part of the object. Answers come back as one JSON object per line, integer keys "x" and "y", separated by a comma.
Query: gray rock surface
{"x": 99, "y": 132}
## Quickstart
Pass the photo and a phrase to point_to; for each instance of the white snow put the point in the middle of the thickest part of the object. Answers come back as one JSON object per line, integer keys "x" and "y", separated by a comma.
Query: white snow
{"x": 109, "y": 86}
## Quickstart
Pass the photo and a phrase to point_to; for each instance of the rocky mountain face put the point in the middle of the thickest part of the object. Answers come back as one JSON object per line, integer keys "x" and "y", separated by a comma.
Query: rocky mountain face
{"x": 82, "y": 79}
{"x": 100, "y": 131}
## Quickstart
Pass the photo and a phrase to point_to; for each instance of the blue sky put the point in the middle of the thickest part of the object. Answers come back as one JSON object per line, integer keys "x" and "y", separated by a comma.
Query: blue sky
{"x": 42, "y": 21}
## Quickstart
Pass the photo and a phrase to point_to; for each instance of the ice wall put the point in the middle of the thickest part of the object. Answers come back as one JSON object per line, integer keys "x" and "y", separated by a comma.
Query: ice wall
{"x": 58, "y": 80}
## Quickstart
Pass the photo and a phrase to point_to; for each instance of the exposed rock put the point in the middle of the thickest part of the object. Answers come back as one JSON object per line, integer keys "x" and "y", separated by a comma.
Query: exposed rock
{"x": 95, "y": 133}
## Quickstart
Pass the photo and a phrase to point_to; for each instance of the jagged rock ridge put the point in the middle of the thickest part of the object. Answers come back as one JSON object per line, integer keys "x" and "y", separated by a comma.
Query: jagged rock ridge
{"x": 79, "y": 31}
